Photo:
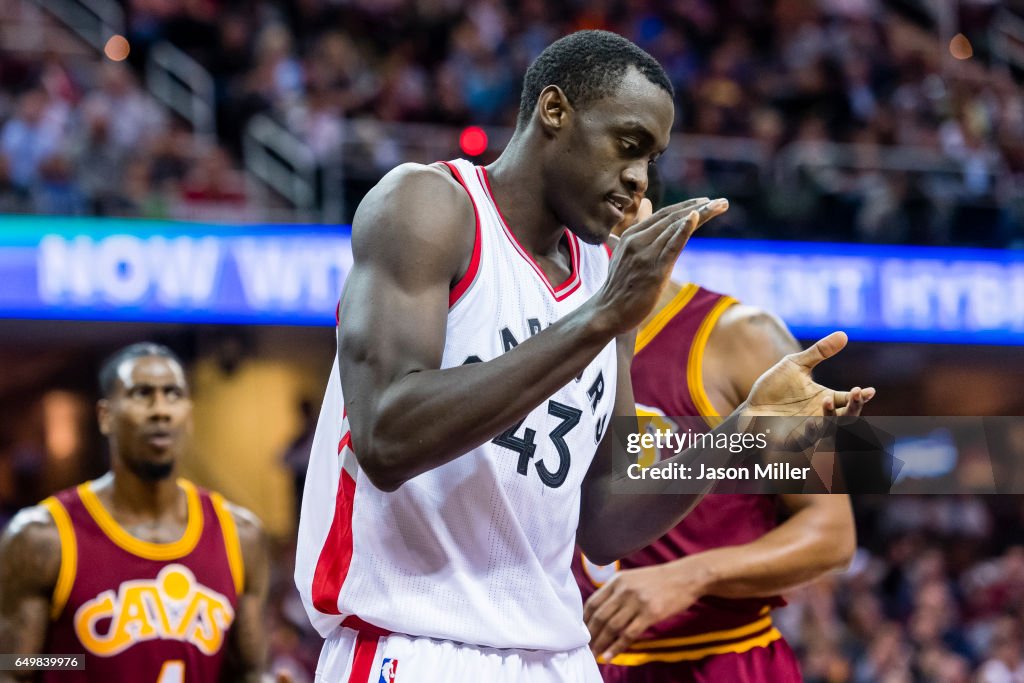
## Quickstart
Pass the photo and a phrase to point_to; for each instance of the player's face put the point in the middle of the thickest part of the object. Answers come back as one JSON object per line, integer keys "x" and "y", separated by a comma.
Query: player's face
{"x": 603, "y": 159}
{"x": 149, "y": 416}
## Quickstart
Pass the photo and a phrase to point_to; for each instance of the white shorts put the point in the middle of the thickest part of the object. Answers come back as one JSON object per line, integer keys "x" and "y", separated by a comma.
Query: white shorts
{"x": 354, "y": 657}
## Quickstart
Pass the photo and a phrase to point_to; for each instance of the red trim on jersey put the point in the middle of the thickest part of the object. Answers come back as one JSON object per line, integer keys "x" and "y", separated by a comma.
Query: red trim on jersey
{"x": 474, "y": 263}
{"x": 356, "y": 624}
{"x": 608, "y": 249}
{"x": 362, "y": 659}
{"x": 336, "y": 555}
{"x": 572, "y": 282}
{"x": 337, "y": 314}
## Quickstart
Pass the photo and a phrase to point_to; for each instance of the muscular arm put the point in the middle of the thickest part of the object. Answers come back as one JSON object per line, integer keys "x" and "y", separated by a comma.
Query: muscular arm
{"x": 411, "y": 239}
{"x": 247, "y": 653}
{"x": 29, "y": 564}
{"x": 818, "y": 537}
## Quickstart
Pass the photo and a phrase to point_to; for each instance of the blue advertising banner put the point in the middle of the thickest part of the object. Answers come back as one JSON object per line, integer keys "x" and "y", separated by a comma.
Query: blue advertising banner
{"x": 103, "y": 269}
{"x": 171, "y": 272}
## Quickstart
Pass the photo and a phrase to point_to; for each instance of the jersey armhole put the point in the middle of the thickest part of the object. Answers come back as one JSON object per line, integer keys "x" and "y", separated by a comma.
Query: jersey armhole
{"x": 461, "y": 286}
{"x": 695, "y": 363}
{"x": 68, "y": 556}
{"x": 232, "y": 546}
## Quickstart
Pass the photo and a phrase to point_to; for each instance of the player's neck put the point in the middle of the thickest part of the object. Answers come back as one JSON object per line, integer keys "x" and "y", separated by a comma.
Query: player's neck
{"x": 517, "y": 188}
{"x": 128, "y": 492}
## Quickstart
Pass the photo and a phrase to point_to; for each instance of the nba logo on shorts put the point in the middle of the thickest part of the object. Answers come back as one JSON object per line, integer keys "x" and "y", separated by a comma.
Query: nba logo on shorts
{"x": 388, "y": 671}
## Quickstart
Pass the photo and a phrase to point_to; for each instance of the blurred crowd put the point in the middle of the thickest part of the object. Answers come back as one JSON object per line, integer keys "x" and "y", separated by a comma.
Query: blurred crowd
{"x": 84, "y": 138}
{"x": 935, "y": 594}
{"x": 936, "y": 151}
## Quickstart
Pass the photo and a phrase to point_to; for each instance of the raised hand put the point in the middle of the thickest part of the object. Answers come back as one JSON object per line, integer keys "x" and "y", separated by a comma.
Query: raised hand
{"x": 645, "y": 256}
{"x": 787, "y": 388}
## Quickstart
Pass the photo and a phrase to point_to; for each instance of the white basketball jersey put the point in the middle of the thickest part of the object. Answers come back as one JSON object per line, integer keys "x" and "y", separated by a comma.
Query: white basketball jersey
{"x": 478, "y": 550}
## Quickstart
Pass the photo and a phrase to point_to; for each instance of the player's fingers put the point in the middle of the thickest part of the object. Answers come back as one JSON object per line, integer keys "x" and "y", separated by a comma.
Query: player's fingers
{"x": 686, "y": 224}
{"x": 678, "y": 239}
{"x": 676, "y": 232}
{"x": 645, "y": 210}
{"x": 612, "y": 625}
{"x": 828, "y": 406}
{"x": 595, "y": 601}
{"x": 856, "y": 401}
{"x": 652, "y": 228}
{"x": 706, "y": 209}
{"x": 822, "y": 349}
{"x": 626, "y": 638}
{"x": 641, "y": 235}
{"x": 661, "y": 219}
{"x": 712, "y": 209}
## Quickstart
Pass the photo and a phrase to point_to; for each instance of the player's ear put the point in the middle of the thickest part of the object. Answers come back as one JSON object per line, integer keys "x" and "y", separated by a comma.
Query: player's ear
{"x": 553, "y": 108}
{"x": 103, "y": 416}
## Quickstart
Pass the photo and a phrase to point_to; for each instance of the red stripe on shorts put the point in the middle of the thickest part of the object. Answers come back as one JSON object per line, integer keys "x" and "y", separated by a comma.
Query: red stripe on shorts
{"x": 362, "y": 660}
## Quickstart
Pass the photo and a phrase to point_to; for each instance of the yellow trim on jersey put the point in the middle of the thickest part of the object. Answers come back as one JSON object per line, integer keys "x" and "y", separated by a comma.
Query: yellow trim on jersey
{"x": 597, "y": 584}
{"x": 145, "y": 549}
{"x": 231, "y": 543}
{"x": 68, "y": 556}
{"x": 639, "y": 658}
{"x": 651, "y": 329}
{"x": 695, "y": 364}
{"x": 709, "y": 637}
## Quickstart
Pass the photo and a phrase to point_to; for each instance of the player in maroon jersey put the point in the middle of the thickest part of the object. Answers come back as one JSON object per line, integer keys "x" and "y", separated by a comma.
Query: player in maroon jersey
{"x": 153, "y": 579}
{"x": 695, "y": 605}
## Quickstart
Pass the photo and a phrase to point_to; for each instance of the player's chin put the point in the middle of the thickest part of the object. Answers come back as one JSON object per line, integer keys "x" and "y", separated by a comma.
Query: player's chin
{"x": 154, "y": 468}
{"x": 593, "y": 232}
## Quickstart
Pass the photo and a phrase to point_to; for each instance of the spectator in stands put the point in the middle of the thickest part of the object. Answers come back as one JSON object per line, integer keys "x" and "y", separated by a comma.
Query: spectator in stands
{"x": 13, "y": 198}
{"x": 29, "y": 138}
{"x": 138, "y": 119}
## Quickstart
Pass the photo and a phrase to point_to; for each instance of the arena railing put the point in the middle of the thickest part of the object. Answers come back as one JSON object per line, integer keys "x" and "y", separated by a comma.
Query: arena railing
{"x": 275, "y": 156}
{"x": 184, "y": 86}
{"x": 94, "y": 20}
{"x": 1006, "y": 37}
{"x": 819, "y": 158}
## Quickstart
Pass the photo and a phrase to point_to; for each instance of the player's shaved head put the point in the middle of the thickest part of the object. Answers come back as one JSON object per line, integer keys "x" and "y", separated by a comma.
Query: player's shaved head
{"x": 587, "y": 66}
{"x": 111, "y": 371}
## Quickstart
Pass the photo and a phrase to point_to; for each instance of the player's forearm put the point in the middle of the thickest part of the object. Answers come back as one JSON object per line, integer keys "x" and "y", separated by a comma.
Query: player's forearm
{"x": 801, "y": 549}
{"x": 19, "y": 638}
{"x": 430, "y": 417}
{"x": 621, "y": 514}
{"x": 627, "y": 523}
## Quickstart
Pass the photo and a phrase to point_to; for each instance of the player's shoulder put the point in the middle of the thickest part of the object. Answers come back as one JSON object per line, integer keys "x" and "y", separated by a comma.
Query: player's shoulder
{"x": 248, "y": 524}
{"x": 415, "y": 209}
{"x": 743, "y": 325}
{"x": 252, "y": 540}
{"x": 34, "y": 522}
{"x": 31, "y": 541}
{"x": 411, "y": 192}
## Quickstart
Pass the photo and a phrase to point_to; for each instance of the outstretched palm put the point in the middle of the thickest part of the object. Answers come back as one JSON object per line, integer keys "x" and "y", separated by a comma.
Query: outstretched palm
{"x": 787, "y": 388}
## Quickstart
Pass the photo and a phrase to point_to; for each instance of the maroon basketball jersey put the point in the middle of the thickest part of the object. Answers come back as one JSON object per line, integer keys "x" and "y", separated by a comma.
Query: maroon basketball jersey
{"x": 140, "y": 611}
{"x": 668, "y": 381}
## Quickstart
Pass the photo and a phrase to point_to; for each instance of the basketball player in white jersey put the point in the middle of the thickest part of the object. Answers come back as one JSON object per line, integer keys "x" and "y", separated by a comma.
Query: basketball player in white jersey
{"x": 478, "y": 361}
